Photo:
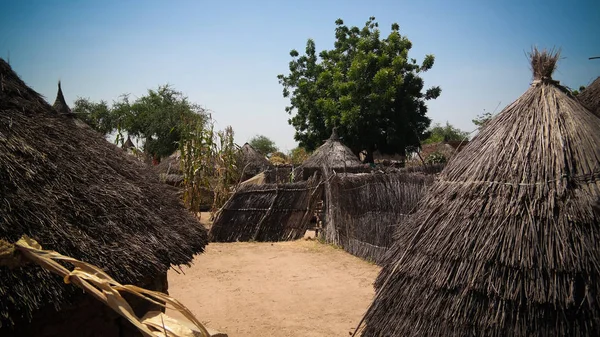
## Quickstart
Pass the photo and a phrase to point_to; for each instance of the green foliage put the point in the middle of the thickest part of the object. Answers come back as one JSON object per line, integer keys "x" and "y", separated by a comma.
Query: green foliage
{"x": 435, "y": 158}
{"x": 578, "y": 91}
{"x": 481, "y": 120}
{"x": 366, "y": 85}
{"x": 298, "y": 155}
{"x": 263, "y": 144}
{"x": 97, "y": 115}
{"x": 439, "y": 133}
{"x": 209, "y": 163}
{"x": 156, "y": 118}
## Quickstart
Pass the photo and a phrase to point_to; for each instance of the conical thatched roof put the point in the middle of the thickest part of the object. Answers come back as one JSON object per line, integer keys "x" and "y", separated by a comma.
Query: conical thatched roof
{"x": 128, "y": 144}
{"x": 253, "y": 162}
{"x": 590, "y": 97}
{"x": 170, "y": 165}
{"x": 74, "y": 192}
{"x": 333, "y": 154}
{"x": 505, "y": 243}
{"x": 60, "y": 105}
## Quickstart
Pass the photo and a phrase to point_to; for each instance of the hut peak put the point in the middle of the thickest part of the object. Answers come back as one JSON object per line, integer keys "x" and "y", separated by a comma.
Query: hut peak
{"x": 334, "y": 134}
{"x": 60, "y": 105}
{"x": 543, "y": 64}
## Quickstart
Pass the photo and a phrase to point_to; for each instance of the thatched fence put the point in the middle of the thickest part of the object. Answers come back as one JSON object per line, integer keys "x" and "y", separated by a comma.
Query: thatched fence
{"x": 363, "y": 210}
{"x": 268, "y": 212}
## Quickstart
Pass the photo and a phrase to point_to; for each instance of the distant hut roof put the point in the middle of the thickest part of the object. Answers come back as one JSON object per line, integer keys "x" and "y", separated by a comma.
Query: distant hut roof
{"x": 505, "y": 243}
{"x": 75, "y": 193}
{"x": 170, "y": 165}
{"x": 332, "y": 154}
{"x": 253, "y": 162}
{"x": 60, "y": 105}
{"x": 590, "y": 97}
{"x": 128, "y": 144}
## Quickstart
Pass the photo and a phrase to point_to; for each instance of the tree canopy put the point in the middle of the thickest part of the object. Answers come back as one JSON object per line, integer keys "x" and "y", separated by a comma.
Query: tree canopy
{"x": 156, "y": 118}
{"x": 263, "y": 144}
{"x": 440, "y": 133}
{"x": 366, "y": 85}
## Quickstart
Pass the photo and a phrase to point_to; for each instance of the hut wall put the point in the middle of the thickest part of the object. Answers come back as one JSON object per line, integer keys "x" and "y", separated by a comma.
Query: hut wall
{"x": 87, "y": 317}
{"x": 363, "y": 210}
{"x": 268, "y": 212}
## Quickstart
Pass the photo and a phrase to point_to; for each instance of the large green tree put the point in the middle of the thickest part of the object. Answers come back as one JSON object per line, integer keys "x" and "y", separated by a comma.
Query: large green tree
{"x": 366, "y": 85}
{"x": 156, "y": 118}
{"x": 263, "y": 144}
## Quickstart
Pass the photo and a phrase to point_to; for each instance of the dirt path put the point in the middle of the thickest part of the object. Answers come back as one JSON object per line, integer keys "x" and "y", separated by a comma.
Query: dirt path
{"x": 300, "y": 288}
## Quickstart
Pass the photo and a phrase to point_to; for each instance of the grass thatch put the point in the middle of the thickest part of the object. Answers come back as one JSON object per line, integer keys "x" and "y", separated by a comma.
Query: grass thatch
{"x": 368, "y": 208}
{"x": 334, "y": 156}
{"x": 75, "y": 193}
{"x": 267, "y": 212}
{"x": 505, "y": 243}
{"x": 60, "y": 105}
{"x": 252, "y": 162}
{"x": 590, "y": 97}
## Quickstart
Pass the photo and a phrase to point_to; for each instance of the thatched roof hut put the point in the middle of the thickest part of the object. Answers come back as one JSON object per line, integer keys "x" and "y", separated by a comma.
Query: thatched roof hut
{"x": 505, "y": 243}
{"x": 60, "y": 105}
{"x": 128, "y": 144}
{"x": 77, "y": 194}
{"x": 252, "y": 162}
{"x": 333, "y": 155}
{"x": 170, "y": 165}
{"x": 590, "y": 97}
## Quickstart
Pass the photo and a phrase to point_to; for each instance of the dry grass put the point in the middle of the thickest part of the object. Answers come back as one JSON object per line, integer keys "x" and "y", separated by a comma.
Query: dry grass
{"x": 267, "y": 212}
{"x": 506, "y": 241}
{"x": 64, "y": 185}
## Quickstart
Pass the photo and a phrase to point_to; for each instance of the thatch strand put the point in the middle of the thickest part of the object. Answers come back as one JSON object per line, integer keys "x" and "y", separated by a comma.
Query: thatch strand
{"x": 506, "y": 242}
{"x": 75, "y": 193}
{"x": 267, "y": 212}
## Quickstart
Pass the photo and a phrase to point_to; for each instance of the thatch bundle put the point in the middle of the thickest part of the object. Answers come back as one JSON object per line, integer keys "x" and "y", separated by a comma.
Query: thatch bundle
{"x": 267, "y": 212}
{"x": 369, "y": 206}
{"x": 60, "y": 105}
{"x": 252, "y": 162}
{"x": 333, "y": 155}
{"x": 590, "y": 97}
{"x": 77, "y": 194}
{"x": 505, "y": 243}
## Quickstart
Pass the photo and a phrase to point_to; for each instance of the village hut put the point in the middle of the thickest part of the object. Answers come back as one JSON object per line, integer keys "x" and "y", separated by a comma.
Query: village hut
{"x": 505, "y": 242}
{"x": 590, "y": 97}
{"x": 77, "y": 194}
{"x": 332, "y": 155}
{"x": 60, "y": 105}
{"x": 252, "y": 162}
{"x": 169, "y": 169}
{"x": 128, "y": 144}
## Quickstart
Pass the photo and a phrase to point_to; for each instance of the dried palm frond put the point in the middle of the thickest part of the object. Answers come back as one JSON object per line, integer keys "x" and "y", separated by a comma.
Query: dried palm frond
{"x": 104, "y": 288}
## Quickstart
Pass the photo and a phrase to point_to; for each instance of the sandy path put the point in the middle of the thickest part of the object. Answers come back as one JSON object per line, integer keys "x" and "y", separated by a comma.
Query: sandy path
{"x": 300, "y": 288}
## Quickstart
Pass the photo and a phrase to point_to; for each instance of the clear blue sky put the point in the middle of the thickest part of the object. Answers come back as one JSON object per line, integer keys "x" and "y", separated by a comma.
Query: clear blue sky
{"x": 225, "y": 55}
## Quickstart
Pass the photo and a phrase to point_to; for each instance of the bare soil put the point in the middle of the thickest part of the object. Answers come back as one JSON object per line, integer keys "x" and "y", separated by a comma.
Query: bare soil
{"x": 301, "y": 288}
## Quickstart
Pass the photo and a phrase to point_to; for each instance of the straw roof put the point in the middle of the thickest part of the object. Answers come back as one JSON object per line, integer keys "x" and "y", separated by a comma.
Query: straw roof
{"x": 590, "y": 97}
{"x": 60, "y": 105}
{"x": 505, "y": 243}
{"x": 77, "y": 194}
{"x": 170, "y": 165}
{"x": 332, "y": 154}
{"x": 253, "y": 162}
{"x": 128, "y": 144}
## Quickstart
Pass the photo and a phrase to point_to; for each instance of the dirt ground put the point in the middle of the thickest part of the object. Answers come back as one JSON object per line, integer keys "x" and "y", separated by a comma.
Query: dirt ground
{"x": 301, "y": 288}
